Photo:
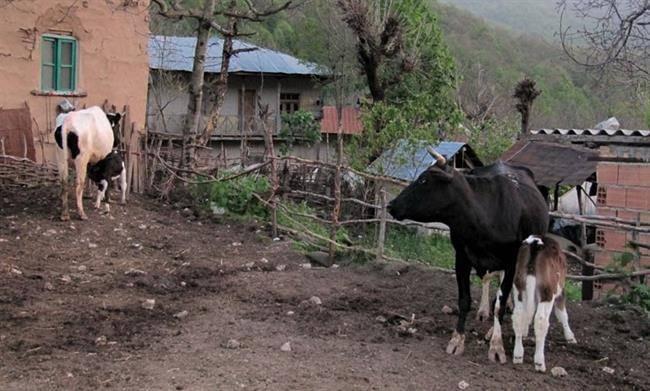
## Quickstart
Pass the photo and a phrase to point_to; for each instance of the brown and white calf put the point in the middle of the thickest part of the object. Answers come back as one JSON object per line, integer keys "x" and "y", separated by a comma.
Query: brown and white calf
{"x": 85, "y": 136}
{"x": 539, "y": 288}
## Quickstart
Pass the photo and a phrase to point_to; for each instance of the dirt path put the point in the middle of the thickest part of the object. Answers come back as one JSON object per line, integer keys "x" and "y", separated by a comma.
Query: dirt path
{"x": 71, "y": 314}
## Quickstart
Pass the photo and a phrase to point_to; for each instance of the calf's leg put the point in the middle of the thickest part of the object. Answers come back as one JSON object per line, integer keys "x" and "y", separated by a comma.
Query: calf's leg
{"x": 563, "y": 317}
{"x": 101, "y": 193}
{"x": 524, "y": 302}
{"x": 483, "y": 313}
{"x": 542, "y": 316}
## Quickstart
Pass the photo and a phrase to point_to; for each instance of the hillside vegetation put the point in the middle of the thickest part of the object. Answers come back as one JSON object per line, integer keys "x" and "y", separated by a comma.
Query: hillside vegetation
{"x": 532, "y": 17}
{"x": 489, "y": 58}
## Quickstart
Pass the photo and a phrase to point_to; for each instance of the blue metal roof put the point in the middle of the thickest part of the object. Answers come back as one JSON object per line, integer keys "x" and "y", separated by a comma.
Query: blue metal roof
{"x": 409, "y": 159}
{"x": 177, "y": 54}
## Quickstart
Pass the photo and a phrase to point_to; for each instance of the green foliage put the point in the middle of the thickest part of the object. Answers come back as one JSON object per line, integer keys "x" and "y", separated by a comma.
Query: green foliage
{"x": 406, "y": 243}
{"x": 620, "y": 263}
{"x": 639, "y": 294}
{"x": 234, "y": 197}
{"x": 492, "y": 138}
{"x": 573, "y": 291}
{"x": 299, "y": 127}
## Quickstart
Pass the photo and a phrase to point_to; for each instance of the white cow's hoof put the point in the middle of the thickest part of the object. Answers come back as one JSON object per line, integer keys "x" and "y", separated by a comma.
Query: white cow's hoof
{"x": 517, "y": 360}
{"x": 540, "y": 367}
{"x": 456, "y": 345}
{"x": 83, "y": 216}
{"x": 483, "y": 315}
{"x": 497, "y": 352}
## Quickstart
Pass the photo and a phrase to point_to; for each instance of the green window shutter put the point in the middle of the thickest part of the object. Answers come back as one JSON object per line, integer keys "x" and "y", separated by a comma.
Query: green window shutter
{"x": 59, "y": 64}
{"x": 48, "y": 64}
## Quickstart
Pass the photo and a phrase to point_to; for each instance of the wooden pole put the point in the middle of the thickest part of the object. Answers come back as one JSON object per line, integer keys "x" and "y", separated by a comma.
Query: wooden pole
{"x": 382, "y": 226}
{"x": 336, "y": 210}
{"x": 587, "y": 287}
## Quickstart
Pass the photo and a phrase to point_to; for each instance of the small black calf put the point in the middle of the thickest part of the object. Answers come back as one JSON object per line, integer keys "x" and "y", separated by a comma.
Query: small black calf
{"x": 104, "y": 172}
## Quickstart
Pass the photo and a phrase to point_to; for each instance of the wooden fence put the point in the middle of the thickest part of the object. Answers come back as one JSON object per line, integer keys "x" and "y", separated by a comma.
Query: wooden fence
{"x": 333, "y": 203}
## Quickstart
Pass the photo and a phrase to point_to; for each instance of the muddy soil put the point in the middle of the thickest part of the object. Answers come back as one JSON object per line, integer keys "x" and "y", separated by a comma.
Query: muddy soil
{"x": 227, "y": 298}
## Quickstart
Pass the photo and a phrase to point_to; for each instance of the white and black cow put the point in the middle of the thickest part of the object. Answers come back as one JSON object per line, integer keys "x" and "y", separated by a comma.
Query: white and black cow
{"x": 86, "y": 137}
{"x": 538, "y": 288}
{"x": 489, "y": 213}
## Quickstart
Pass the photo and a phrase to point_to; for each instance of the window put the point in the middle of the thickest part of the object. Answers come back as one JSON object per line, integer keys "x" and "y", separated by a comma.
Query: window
{"x": 289, "y": 103}
{"x": 58, "y": 63}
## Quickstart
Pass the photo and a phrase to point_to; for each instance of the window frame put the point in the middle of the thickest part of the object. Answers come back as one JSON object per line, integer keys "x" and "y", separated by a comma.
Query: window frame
{"x": 58, "y": 64}
{"x": 291, "y": 103}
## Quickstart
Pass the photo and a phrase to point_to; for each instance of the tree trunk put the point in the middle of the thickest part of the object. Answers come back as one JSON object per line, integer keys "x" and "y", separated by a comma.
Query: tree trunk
{"x": 194, "y": 107}
{"x": 221, "y": 85}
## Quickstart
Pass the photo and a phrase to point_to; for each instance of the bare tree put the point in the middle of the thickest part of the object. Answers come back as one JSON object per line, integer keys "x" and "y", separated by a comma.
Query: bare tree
{"x": 615, "y": 35}
{"x": 223, "y": 17}
{"x": 479, "y": 98}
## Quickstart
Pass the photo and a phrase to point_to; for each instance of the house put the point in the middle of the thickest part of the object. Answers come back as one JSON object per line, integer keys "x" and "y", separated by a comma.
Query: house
{"x": 616, "y": 161}
{"x": 88, "y": 52}
{"x": 256, "y": 79}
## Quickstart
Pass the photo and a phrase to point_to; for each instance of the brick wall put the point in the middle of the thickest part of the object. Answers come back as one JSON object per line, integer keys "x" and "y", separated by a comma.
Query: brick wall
{"x": 623, "y": 192}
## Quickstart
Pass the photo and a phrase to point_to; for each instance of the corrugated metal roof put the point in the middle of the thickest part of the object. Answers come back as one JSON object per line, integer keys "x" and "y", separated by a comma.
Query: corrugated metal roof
{"x": 350, "y": 121}
{"x": 553, "y": 163}
{"x": 593, "y": 132}
{"x": 177, "y": 54}
{"x": 408, "y": 160}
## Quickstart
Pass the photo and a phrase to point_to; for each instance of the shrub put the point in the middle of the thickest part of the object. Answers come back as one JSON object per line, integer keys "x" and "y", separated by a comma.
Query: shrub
{"x": 235, "y": 197}
{"x": 299, "y": 127}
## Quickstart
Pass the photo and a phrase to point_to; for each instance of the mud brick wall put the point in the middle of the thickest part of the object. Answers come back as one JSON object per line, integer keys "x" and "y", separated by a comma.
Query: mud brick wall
{"x": 623, "y": 192}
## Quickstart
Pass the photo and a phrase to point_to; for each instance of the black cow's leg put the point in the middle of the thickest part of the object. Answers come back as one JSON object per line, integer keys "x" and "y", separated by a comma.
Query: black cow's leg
{"x": 497, "y": 352}
{"x": 457, "y": 343}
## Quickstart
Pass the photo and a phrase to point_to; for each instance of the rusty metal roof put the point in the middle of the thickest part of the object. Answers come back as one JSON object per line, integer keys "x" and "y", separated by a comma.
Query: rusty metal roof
{"x": 553, "y": 163}
{"x": 592, "y": 132}
{"x": 350, "y": 120}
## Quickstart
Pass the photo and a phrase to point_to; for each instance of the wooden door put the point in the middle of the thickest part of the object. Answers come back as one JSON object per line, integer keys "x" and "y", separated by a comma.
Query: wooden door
{"x": 247, "y": 110}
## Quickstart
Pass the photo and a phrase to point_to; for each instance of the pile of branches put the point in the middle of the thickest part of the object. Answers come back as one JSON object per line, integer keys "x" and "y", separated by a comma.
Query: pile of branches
{"x": 22, "y": 172}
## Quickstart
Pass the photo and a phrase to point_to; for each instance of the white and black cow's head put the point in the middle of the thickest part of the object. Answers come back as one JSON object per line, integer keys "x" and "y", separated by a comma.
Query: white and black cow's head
{"x": 429, "y": 197}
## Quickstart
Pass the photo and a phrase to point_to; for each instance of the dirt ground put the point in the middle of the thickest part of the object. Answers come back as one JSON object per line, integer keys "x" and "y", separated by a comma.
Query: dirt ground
{"x": 72, "y": 316}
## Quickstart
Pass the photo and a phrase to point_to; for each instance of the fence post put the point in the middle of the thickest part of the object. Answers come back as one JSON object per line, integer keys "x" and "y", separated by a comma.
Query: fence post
{"x": 382, "y": 225}
{"x": 336, "y": 210}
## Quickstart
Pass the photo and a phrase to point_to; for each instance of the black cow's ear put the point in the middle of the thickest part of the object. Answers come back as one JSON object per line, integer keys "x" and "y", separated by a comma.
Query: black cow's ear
{"x": 445, "y": 174}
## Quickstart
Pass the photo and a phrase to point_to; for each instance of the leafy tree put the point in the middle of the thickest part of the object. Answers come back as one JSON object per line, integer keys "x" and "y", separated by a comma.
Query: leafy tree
{"x": 410, "y": 74}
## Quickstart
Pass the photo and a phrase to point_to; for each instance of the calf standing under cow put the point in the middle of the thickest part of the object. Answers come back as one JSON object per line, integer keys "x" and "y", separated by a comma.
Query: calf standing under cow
{"x": 489, "y": 214}
{"x": 538, "y": 288}
{"x": 85, "y": 136}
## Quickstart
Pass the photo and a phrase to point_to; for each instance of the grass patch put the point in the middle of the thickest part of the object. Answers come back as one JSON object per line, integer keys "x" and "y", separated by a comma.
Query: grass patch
{"x": 406, "y": 243}
{"x": 290, "y": 219}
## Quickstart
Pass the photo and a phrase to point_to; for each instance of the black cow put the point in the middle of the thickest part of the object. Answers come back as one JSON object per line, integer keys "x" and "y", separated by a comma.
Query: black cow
{"x": 489, "y": 212}
{"x": 104, "y": 172}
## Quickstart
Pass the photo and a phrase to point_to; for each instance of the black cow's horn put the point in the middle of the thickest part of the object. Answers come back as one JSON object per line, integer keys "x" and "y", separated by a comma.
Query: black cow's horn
{"x": 440, "y": 160}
